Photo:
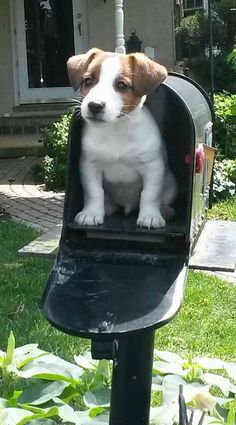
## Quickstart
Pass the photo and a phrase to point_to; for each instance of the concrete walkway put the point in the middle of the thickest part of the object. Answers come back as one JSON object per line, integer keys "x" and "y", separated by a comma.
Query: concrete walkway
{"x": 25, "y": 200}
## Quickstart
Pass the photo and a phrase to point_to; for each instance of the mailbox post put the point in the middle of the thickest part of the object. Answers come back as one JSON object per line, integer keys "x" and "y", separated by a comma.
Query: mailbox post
{"x": 117, "y": 283}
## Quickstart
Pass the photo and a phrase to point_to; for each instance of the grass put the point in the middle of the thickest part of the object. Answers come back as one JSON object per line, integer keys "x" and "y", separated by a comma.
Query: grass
{"x": 224, "y": 210}
{"x": 205, "y": 325}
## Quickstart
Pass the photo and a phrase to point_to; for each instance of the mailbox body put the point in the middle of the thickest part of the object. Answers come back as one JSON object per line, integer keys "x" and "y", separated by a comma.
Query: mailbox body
{"x": 115, "y": 279}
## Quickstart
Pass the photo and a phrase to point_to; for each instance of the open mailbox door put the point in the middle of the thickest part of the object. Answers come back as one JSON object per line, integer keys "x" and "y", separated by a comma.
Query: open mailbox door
{"x": 117, "y": 279}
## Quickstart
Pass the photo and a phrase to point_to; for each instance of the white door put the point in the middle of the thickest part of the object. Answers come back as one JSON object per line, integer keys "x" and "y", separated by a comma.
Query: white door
{"x": 47, "y": 33}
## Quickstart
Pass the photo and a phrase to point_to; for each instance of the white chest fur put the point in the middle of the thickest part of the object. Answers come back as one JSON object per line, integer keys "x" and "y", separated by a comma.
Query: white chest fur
{"x": 123, "y": 148}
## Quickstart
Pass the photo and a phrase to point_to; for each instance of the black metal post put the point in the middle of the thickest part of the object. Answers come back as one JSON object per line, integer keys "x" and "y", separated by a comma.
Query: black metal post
{"x": 132, "y": 379}
{"x": 211, "y": 51}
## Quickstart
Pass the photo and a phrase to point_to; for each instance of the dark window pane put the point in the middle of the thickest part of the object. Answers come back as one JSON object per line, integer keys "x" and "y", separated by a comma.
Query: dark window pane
{"x": 190, "y": 4}
{"x": 49, "y": 41}
{"x": 199, "y": 3}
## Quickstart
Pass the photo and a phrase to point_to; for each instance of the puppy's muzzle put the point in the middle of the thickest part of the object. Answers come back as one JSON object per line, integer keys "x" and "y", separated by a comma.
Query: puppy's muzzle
{"x": 96, "y": 107}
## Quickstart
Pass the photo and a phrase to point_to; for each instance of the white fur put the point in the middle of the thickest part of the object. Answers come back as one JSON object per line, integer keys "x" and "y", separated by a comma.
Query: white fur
{"x": 122, "y": 163}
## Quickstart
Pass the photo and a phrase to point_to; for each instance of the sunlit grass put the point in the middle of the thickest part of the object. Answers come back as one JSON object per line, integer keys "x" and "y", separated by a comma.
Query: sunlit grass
{"x": 225, "y": 210}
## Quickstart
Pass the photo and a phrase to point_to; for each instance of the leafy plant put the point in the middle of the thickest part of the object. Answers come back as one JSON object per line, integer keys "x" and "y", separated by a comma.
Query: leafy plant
{"x": 54, "y": 138}
{"x": 39, "y": 388}
{"x": 225, "y": 127}
{"x": 224, "y": 179}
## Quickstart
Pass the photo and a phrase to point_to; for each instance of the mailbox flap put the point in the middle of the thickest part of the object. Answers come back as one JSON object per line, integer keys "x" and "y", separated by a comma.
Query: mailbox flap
{"x": 105, "y": 299}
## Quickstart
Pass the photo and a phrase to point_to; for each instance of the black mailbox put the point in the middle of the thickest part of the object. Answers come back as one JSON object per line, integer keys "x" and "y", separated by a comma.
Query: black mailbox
{"x": 117, "y": 278}
{"x": 117, "y": 281}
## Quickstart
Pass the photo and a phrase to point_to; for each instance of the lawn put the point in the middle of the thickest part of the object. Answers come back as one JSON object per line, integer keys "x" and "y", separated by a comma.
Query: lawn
{"x": 224, "y": 210}
{"x": 206, "y": 323}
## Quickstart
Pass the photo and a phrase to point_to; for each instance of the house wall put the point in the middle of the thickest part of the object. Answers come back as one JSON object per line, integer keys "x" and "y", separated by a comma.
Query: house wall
{"x": 139, "y": 15}
{"x": 6, "y": 68}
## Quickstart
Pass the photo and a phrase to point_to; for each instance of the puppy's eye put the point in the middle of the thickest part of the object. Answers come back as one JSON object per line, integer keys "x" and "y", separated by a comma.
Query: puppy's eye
{"x": 88, "y": 82}
{"x": 122, "y": 86}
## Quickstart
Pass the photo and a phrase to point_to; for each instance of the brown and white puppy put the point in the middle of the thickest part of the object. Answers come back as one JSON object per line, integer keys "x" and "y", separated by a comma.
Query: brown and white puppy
{"x": 123, "y": 160}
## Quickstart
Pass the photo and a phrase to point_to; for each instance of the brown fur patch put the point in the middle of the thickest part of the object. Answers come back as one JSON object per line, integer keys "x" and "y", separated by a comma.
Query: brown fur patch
{"x": 130, "y": 98}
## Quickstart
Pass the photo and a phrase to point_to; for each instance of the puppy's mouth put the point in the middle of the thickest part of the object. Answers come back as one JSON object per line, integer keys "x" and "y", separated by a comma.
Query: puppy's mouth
{"x": 94, "y": 119}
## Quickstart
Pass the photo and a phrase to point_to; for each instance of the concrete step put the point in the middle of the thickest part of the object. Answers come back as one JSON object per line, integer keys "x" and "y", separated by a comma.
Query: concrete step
{"x": 16, "y": 146}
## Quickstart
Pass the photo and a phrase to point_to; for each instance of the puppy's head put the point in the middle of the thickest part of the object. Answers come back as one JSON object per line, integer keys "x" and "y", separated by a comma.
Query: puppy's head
{"x": 112, "y": 85}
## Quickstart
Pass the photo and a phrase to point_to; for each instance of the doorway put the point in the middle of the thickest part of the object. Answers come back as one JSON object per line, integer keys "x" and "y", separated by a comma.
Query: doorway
{"x": 47, "y": 32}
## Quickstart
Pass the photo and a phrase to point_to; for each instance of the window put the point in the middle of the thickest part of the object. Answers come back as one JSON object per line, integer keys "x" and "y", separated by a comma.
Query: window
{"x": 193, "y": 4}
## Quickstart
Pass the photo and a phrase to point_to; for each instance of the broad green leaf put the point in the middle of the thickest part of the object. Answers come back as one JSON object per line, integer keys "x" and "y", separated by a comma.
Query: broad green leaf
{"x": 68, "y": 369}
{"x": 86, "y": 361}
{"x": 103, "y": 369}
{"x": 40, "y": 393}
{"x": 231, "y": 370}
{"x": 164, "y": 368}
{"x": 99, "y": 397}
{"x": 231, "y": 416}
{"x": 51, "y": 371}
{"x": 95, "y": 411}
{"x": 169, "y": 357}
{"x": 42, "y": 422}
{"x": 10, "y": 349}
{"x": 219, "y": 381}
{"x": 69, "y": 393}
{"x": 13, "y": 416}
{"x": 66, "y": 413}
{"x": 209, "y": 363}
{"x": 3, "y": 403}
{"x": 170, "y": 388}
{"x": 164, "y": 415}
{"x": 47, "y": 414}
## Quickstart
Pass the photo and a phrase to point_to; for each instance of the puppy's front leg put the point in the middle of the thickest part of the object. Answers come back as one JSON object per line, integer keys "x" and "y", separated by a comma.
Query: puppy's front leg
{"x": 91, "y": 177}
{"x": 150, "y": 200}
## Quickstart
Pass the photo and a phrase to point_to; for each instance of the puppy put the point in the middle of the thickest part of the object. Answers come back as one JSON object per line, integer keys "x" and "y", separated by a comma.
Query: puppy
{"x": 123, "y": 161}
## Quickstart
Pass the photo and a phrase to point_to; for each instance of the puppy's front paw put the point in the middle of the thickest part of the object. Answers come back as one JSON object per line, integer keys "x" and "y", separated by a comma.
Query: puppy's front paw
{"x": 89, "y": 217}
{"x": 151, "y": 219}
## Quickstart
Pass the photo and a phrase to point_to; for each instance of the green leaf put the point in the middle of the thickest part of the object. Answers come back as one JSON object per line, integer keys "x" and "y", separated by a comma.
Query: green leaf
{"x": 99, "y": 397}
{"x": 95, "y": 411}
{"x": 164, "y": 415}
{"x": 169, "y": 357}
{"x": 209, "y": 363}
{"x": 86, "y": 361}
{"x": 37, "y": 394}
{"x": 219, "y": 381}
{"x": 231, "y": 416}
{"x": 170, "y": 388}
{"x": 164, "y": 368}
{"x": 231, "y": 370}
{"x": 10, "y": 349}
{"x": 13, "y": 416}
{"x": 67, "y": 413}
{"x": 47, "y": 414}
{"x": 42, "y": 422}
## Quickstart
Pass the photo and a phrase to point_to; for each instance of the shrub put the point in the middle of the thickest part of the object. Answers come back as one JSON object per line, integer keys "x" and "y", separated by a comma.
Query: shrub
{"x": 54, "y": 138}
{"x": 225, "y": 128}
{"x": 224, "y": 179}
{"x": 224, "y": 75}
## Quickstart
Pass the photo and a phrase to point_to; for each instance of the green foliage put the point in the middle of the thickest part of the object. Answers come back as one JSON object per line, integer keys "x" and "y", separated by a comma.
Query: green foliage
{"x": 54, "y": 138}
{"x": 37, "y": 387}
{"x": 224, "y": 76}
{"x": 224, "y": 179}
{"x": 191, "y": 33}
{"x": 225, "y": 125}
{"x": 40, "y": 388}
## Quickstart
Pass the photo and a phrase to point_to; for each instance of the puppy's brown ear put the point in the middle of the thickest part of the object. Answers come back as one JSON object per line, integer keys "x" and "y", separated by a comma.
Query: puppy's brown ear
{"x": 147, "y": 73}
{"x": 78, "y": 64}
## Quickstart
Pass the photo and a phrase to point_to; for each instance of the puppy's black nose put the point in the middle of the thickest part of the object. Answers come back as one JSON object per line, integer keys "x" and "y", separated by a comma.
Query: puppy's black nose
{"x": 96, "y": 107}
